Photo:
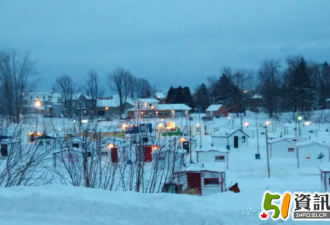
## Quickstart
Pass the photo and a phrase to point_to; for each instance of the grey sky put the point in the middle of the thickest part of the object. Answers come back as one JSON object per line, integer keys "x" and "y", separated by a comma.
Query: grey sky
{"x": 168, "y": 42}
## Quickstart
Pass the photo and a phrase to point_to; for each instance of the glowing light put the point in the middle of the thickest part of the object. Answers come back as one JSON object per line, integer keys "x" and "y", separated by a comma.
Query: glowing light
{"x": 158, "y": 96}
{"x": 299, "y": 118}
{"x": 244, "y": 91}
{"x": 156, "y": 112}
{"x": 170, "y": 125}
{"x": 162, "y": 119}
{"x": 246, "y": 124}
{"x": 197, "y": 125}
{"x": 155, "y": 147}
{"x": 38, "y": 103}
{"x": 110, "y": 146}
{"x": 124, "y": 125}
{"x": 307, "y": 123}
{"x": 152, "y": 107}
{"x": 228, "y": 117}
{"x": 160, "y": 125}
{"x": 74, "y": 121}
{"x": 141, "y": 112}
{"x": 267, "y": 122}
{"x": 106, "y": 108}
{"x": 84, "y": 121}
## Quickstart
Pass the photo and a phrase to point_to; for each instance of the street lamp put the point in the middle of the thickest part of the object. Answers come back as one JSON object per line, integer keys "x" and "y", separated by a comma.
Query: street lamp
{"x": 299, "y": 119}
{"x": 246, "y": 124}
{"x": 307, "y": 123}
{"x": 107, "y": 108}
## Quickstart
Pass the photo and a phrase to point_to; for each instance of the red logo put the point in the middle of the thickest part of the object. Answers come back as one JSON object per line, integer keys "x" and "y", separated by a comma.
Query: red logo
{"x": 263, "y": 215}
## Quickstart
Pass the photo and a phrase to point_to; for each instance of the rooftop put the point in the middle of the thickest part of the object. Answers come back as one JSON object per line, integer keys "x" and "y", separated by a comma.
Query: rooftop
{"x": 215, "y": 167}
{"x": 149, "y": 100}
{"x": 173, "y": 107}
{"x": 324, "y": 167}
{"x": 213, "y": 107}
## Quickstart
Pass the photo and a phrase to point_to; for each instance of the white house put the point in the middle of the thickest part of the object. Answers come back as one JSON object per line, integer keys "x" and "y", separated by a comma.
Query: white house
{"x": 282, "y": 148}
{"x": 163, "y": 159}
{"x": 145, "y": 106}
{"x": 216, "y": 110}
{"x": 312, "y": 153}
{"x": 209, "y": 178}
{"x": 296, "y": 138}
{"x": 325, "y": 176}
{"x": 210, "y": 154}
{"x": 234, "y": 138}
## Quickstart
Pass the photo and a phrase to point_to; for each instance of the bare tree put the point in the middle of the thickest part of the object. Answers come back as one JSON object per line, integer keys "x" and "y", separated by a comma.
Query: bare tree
{"x": 64, "y": 85}
{"x": 121, "y": 81}
{"x": 143, "y": 88}
{"x": 94, "y": 87}
{"x": 16, "y": 74}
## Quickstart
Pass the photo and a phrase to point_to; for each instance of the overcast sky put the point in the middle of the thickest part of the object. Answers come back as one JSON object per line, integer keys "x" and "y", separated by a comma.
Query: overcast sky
{"x": 169, "y": 42}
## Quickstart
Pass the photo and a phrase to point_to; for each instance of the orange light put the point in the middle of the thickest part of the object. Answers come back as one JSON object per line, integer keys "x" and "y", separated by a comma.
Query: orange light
{"x": 106, "y": 108}
{"x": 110, "y": 146}
{"x": 245, "y": 91}
{"x": 155, "y": 147}
{"x": 156, "y": 112}
{"x": 124, "y": 125}
{"x": 38, "y": 103}
{"x": 152, "y": 107}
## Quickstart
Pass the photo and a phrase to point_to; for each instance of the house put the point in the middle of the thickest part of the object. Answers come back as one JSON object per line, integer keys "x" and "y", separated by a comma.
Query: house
{"x": 311, "y": 153}
{"x": 216, "y": 110}
{"x": 325, "y": 176}
{"x": 150, "y": 108}
{"x": 282, "y": 148}
{"x": 197, "y": 130}
{"x": 49, "y": 104}
{"x": 166, "y": 159}
{"x": 160, "y": 96}
{"x": 111, "y": 106}
{"x": 208, "y": 178}
{"x": 235, "y": 138}
{"x": 254, "y": 103}
{"x": 210, "y": 154}
{"x": 81, "y": 104}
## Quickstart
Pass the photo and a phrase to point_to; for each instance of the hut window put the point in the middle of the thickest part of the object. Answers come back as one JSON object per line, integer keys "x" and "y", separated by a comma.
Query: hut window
{"x": 47, "y": 142}
{"x": 308, "y": 156}
{"x": 219, "y": 158}
{"x": 75, "y": 145}
{"x": 290, "y": 149}
{"x": 243, "y": 139}
{"x": 41, "y": 143}
{"x": 211, "y": 181}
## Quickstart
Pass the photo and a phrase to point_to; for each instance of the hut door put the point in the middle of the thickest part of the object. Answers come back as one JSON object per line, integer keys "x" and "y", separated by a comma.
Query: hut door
{"x": 235, "y": 141}
{"x": 147, "y": 154}
{"x": 114, "y": 155}
{"x": 194, "y": 181}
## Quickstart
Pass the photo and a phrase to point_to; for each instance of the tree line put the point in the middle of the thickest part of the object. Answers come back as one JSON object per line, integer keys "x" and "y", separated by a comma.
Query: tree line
{"x": 295, "y": 85}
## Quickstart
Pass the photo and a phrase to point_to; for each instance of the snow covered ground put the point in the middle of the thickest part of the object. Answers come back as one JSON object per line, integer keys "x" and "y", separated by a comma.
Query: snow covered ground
{"x": 76, "y": 205}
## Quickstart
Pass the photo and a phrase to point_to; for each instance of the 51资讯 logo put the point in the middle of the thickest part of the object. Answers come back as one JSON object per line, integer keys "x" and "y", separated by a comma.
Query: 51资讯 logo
{"x": 306, "y": 206}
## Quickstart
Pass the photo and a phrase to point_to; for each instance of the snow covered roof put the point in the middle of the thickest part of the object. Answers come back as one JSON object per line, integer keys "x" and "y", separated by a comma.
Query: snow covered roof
{"x": 114, "y": 102}
{"x": 206, "y": 148}
{"x": 131, "y": 109}
{"x": 324, "y": 167}
{"x": 215, "y": 167}
{"x": 227, "y": 133}
{"x": 160, "y": 95}
{"x": 257, "y": 96}
{"x": 281, "y": 139}
{"x": 306, "y": 143}
{"x": 173, "y": 107}
{"x": 149, "y": 100}
{"x": 213, "y": 108}
{"x": 76, "y": 96}
{"x": 160, "y": 150}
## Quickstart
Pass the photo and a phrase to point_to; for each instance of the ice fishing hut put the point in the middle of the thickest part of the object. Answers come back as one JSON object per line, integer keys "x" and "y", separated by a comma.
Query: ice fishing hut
{"x": 208, "y": 178}
{"x": 114, "y": 147}
{"x": 235, "y": 138}
{"x": 4, "y": 145}
{"x": 210, "y": 154}
{"x": 139, "y": 128}
{"x": 325, "y": 176}
{"x": 164, "y": 158}
{"x": 311, "y": 153}
{"x": 282, "y": 148}
{"x": 46, "y": 142}
{"x": 296, "y": 138}
{"x": 32, "y": 136}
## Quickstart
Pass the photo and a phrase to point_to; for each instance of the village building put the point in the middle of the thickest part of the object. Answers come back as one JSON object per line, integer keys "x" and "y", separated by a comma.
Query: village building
{"x": 150, "y": 108}
{"x": 282, "y": 148}
{"x": 211, "y": 154}
{"x": 208, "y": 178}
{"x": 312, "y": 153}
{"x": 216, "y": 110}
{"x": 111, "y": 106}
{"x": 235, "y": 138}
{"x": 325, "y": 176}
{"x": 165, "y": 158}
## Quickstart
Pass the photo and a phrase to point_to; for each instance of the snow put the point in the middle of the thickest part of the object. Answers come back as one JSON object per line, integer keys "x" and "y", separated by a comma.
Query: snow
{"x": 307, "y": 143}
{"x": 227, "y": 132}
{"x": 281, "y": 139}
{"x": 324, "y": 167}
{"x": 160, "y": 95}
{"x": 206, "y": 148}
{"x": 149, "y": 100}
{"x": 213, "y": 108}
{"x": 114, "y": 102}
{"x": 173, "y": 107}
{"x": 214, "y": 167}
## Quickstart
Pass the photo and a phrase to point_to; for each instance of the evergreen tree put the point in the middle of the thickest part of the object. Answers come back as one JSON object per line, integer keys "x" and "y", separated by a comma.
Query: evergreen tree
{"x": 223, "y": 91}
{"x": 187, "y": 97}
{"x": 178, "y": 95}
{"x": 201, "y": 97}
{"x": 324, "y": 85}
{"x": 169, "y": 95}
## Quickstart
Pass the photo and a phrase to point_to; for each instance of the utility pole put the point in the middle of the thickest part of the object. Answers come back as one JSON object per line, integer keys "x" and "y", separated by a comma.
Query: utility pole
{"x": 190, "y": 119}
{"x": 267, "y": 152}
{"x": 257, "y": 133}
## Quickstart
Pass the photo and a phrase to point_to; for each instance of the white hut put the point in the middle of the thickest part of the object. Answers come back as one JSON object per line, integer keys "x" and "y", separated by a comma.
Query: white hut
{"x": 282, "y": 148}
{"x": 163, "y": 158}
{"x": 235, "y": 138}
{"x": 312, "y": 153}
{"x": 209, "y": 178}
{"x": 210, "y": 154}
{"x": 325, "y": 176}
